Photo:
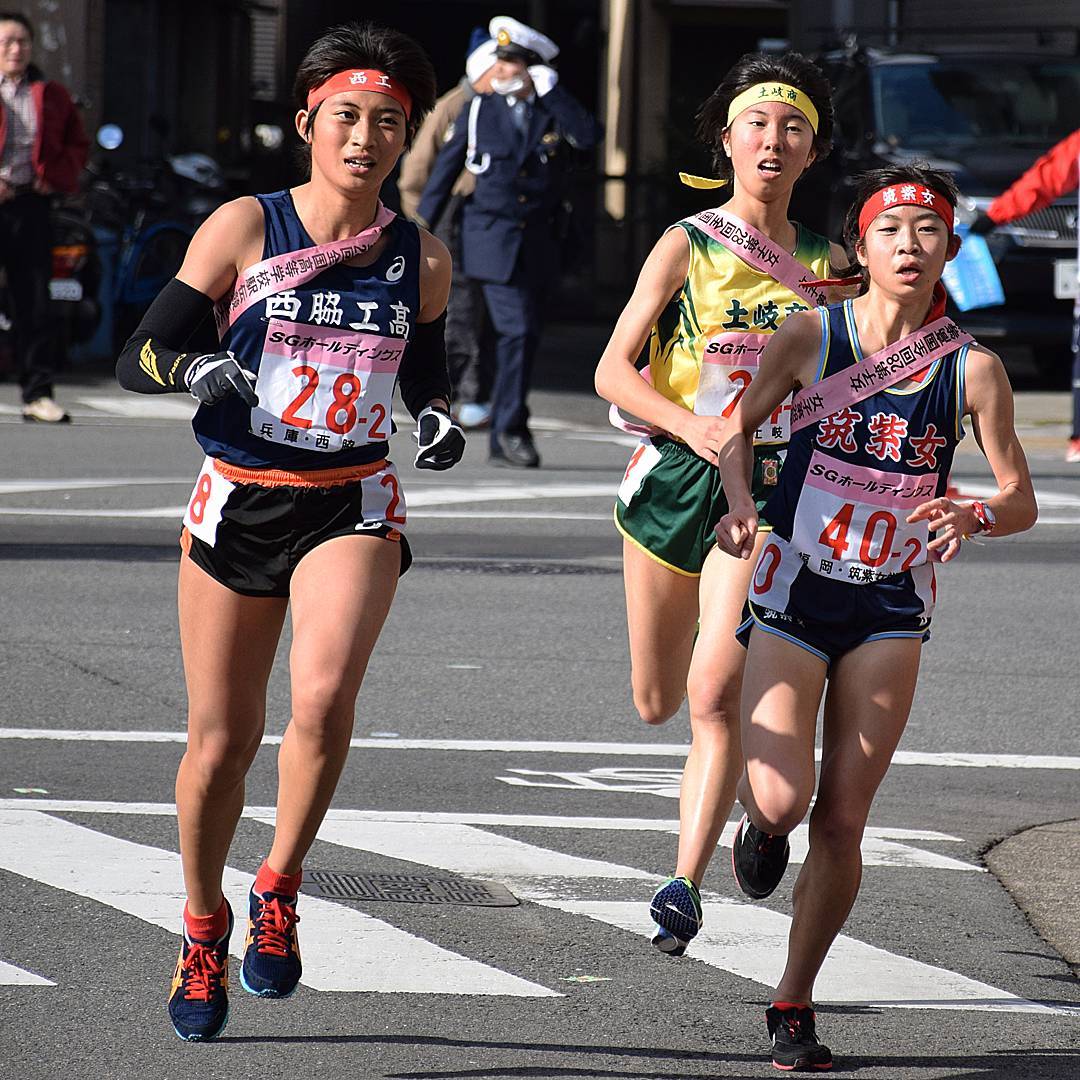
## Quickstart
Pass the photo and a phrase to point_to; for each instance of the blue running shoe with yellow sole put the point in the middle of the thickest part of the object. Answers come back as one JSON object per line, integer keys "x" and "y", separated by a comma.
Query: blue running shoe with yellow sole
{"x": 199, "y": 996}
{"x": 271, "y": 967}
{"x": 676, "y": 910}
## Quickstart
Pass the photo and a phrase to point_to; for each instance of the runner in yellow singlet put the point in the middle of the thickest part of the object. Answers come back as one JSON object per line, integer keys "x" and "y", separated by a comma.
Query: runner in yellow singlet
{"x": 706, "y": 314}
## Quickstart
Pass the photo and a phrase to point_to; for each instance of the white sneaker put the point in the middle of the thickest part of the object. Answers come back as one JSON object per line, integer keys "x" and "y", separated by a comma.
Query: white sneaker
{"x": 474, "y": 414}
{"x": 45, "y": 411}
{"x": 1072, "y": 454}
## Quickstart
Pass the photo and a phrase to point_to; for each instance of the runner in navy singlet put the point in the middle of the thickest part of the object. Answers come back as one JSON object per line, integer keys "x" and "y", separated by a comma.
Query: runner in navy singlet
{"x": 325, "y": 302}
{"x": 844, "y": 588}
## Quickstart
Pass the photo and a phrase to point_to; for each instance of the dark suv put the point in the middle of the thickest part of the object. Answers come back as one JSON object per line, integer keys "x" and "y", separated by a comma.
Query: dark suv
{"x": 985, "y": 118}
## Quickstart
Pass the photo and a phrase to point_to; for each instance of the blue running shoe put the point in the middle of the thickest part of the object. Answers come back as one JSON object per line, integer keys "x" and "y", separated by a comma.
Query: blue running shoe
{"x": 676, "y": 910}
{"x": 271, "y": 967}
{"x": 199, "y": 997}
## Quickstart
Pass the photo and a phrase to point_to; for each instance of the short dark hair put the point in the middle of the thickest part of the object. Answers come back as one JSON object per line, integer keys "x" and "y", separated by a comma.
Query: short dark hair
{"x": 867, "y": 183}
{"x": 368, "y": 45}
{"x": 20, "y": 18}
{"x": 751, "y": 68}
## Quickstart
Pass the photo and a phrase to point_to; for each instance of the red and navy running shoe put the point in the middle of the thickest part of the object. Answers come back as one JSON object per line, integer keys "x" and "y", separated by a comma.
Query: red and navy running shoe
{"x": 794, "y": 1039}
{"x": 199, "y": 996}
{"x": 271, "y": 967}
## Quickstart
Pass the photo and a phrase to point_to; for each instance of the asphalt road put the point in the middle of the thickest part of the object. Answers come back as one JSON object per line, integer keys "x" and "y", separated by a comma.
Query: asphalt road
{"x": 496, "y": 741}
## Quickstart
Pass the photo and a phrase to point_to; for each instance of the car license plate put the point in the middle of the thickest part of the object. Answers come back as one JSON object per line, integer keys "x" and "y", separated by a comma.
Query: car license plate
{"x": 1066, "y": 281}
{"x": 65, "y": 289}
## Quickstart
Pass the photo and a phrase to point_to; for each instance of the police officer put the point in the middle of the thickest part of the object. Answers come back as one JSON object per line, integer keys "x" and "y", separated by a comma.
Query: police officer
{"x": 516, "y": 142}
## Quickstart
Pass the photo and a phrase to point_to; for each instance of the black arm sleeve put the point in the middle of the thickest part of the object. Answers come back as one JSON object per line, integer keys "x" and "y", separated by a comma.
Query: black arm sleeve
{"x": 422, "y": 376}
{"x": 151, "y": 362}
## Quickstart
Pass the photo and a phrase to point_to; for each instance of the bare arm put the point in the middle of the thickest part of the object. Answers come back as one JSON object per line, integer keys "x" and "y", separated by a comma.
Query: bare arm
{"x": 988, "y": 398}
{"x": 618, "y": 381}
{"x": 227, "y": 242}
{"x": 788, "y": 362}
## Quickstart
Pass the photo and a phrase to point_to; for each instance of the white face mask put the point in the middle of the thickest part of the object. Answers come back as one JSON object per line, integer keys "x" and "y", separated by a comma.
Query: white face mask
{"x": 508, "y": 86}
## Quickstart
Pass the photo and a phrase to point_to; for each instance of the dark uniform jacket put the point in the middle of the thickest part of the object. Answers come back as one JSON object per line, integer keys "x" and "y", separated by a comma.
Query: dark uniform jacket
{"x": 520, "y": 182}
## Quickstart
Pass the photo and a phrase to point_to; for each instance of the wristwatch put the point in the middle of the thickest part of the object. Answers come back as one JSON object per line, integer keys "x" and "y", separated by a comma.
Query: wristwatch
{"x": 985, "y": 517}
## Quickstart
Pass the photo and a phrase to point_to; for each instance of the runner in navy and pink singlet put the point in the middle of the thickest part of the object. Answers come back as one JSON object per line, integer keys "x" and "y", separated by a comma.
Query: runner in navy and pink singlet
{"x": 844, "y": 588}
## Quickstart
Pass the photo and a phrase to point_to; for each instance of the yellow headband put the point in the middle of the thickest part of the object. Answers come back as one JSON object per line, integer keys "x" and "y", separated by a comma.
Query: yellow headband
{"x": 762, "y": 92}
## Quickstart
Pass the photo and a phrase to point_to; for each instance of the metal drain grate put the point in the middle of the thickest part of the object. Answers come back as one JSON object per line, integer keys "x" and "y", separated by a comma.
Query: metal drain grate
{"x": 406, "y": 889}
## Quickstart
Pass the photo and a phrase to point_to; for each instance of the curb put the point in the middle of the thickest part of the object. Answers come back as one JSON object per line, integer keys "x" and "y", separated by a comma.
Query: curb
{"x": 1040, "y": 870}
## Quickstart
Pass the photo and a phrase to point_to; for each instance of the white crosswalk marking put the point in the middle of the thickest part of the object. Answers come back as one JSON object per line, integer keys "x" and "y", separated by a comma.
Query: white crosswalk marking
{"x": 10, "y": 975}
{"x": 343, "y": 949}
{"x": 463, "y": 849}
{"x": 752, "y": 942}
{"x": 143, "y": 406}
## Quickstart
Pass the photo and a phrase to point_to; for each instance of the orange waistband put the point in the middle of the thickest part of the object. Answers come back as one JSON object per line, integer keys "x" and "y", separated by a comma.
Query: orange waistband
{"x": 309, "y": 478}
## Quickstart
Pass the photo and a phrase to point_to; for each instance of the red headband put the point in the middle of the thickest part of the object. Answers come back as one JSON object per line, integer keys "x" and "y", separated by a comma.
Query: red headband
{"x": 377, "y": 82}
{"x": 904, "y": 195}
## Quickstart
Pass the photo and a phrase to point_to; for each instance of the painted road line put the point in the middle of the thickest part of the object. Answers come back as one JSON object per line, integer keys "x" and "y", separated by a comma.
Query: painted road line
{"x": 10, "y": 975}
{"x": 467, "y": 850}
{"x": 751, "y": 942}
{"x": 946, "y": 759}
{"x": 142, "y": 407}
{"x": 344, "y": 949}
{"x": 24, "y": 487}
{"x": 882, "y": 846}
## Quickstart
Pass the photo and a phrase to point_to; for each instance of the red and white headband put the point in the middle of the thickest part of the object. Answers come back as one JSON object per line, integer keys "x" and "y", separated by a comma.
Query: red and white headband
{"x": 377, "y": 82}
{"x": 904, "y": 195}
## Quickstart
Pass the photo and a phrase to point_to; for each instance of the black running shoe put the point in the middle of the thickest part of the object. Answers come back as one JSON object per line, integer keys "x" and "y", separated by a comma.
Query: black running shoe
{"x": 794, "y": 1042}
{"x": 758, "y": 859}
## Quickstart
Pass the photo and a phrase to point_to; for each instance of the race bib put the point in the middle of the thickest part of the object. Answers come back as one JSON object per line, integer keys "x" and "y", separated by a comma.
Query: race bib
{"x": 203, "y": 514}
{"x": 850, "y": 524}
{"x": 326, "y": 389}
{"x": 642, "y": 462}
{"x": 729, "y": 364}
{"x": 382, "y": 499}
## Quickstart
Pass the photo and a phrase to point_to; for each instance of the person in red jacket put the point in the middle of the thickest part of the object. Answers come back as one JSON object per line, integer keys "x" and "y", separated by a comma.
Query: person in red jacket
{"x": 43, "y": 149}
{"x": 1054, "y": 174}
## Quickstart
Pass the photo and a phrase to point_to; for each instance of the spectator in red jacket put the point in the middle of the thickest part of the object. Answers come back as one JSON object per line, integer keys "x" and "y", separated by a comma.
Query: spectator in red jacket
{"x": 1054, "y": 174}
{"x": 42, "y": 151}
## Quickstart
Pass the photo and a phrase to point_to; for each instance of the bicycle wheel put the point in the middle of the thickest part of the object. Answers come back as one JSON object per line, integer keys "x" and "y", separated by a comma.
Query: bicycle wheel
{"x": 160, "y": 252}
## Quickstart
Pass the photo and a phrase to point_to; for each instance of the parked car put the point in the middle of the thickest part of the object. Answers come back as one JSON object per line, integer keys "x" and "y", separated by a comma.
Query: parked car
{"x": 985, "y": 118}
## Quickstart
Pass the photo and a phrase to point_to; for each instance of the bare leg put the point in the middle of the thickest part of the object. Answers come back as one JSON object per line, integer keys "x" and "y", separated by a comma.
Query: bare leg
{"x": 661, "y": 614}
{"x": 228, "y": 643}
{"x": 714, "y": 687}
{"x": 341, "y": 595}
{"x": 870, "y": 696}
{"x": 782, "y": 687}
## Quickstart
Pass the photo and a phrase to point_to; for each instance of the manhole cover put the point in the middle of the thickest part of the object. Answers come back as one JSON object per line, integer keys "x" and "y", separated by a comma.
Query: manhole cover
{"x": 406, "y": 889}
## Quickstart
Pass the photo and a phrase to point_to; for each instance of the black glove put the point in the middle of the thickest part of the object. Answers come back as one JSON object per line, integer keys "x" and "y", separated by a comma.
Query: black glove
{"x": 214, "y": 376}
{"x": 982, "y": 224}
{"x": 441, "y": 442}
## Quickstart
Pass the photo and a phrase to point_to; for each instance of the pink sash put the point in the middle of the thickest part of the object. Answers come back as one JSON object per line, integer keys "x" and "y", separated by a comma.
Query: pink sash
{"x": 286, "y": 271}
{"x": 758, "y": 251}
{"x": 885, "y": 368}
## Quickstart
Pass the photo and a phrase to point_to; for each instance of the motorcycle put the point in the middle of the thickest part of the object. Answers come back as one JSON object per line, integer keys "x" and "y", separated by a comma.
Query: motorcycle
{"x": 141, "y": 221}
